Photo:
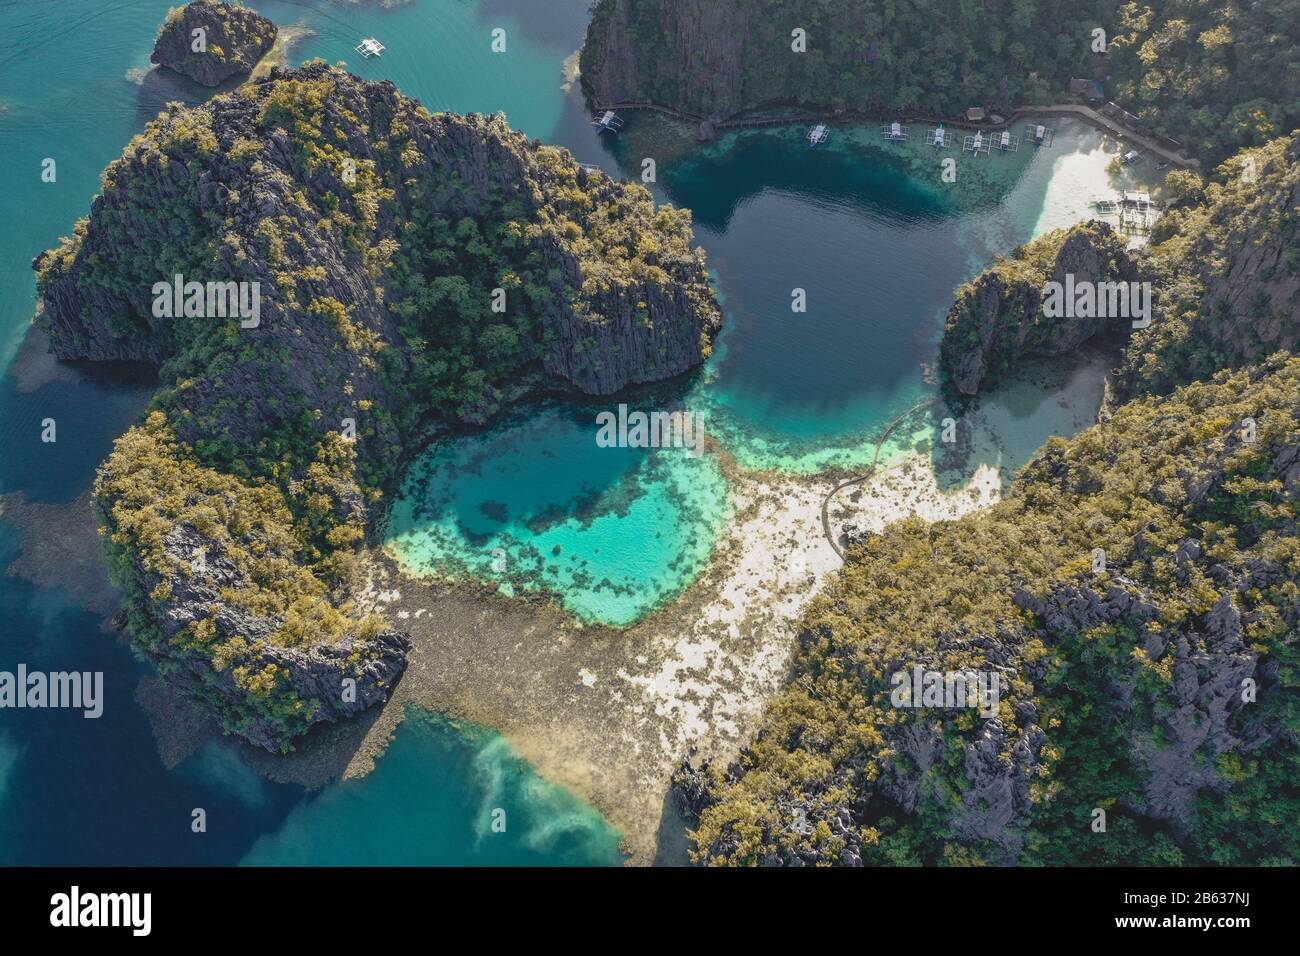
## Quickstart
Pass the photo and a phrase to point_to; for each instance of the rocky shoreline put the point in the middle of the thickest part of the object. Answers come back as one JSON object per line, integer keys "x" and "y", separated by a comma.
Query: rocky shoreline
{"x": 607, "y": 712}
{"x": 212, "y": 42}
{"x": 999, "y": 318}
{"x": 283, "y": 648}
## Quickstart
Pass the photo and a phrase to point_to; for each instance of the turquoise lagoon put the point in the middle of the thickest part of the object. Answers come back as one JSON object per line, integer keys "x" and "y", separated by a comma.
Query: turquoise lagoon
{"x": 536, "y": 502}
{"x": 870, "y": 234}
{"x": 876, "y": 242}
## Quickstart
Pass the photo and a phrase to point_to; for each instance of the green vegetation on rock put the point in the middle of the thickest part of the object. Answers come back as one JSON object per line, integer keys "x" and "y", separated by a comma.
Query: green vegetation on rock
{"x": 1120, "y": 689}
{"x": 211, "y": 41}
{"x": 1214, "y": 76}
{"x": 415, "y": 271}
{"x": 1226, "y": 264}
{"x": 999, "y": 317}
{"x": 1137, "y": 596}
{"x": 1224, "y": 272}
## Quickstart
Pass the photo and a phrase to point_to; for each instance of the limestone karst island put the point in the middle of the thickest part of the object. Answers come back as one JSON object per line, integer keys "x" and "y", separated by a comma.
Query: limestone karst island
{"x": 652, "y": 433}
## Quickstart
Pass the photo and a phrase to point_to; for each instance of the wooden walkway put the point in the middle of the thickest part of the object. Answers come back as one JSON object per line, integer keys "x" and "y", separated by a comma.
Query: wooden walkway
{"x": 875, "y": 460}
{"x": 1117, "y": 130}
{"x": 1077, "y": 110}
{"x": 721, "y": 124}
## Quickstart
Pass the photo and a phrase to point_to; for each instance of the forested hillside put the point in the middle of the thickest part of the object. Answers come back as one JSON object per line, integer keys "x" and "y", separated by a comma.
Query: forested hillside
{"x": 1137, "y": 596}
{"x": 1223, "y": 269}
{"x": 1160, "y": 688}
{"x": 1226, "y": 265}
{"x": 723, "y": 57}
{"x": 1216, "y": 76}
{"x": 412, "y": 268}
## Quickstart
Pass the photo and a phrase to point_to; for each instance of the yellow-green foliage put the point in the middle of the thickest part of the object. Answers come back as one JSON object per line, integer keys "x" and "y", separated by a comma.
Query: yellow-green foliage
{"x": 1215, "y": 76}
{"x": 231, "y": 22}
{"x": 424, "y": 215}
{"x": 151, "y": 488}
{"x": 1248, "y": 210}
{"x": 1162, "y": 471}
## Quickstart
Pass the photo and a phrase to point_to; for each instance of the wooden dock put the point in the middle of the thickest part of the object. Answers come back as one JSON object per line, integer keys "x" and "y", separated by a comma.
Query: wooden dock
{"x": 1021, "y": 114}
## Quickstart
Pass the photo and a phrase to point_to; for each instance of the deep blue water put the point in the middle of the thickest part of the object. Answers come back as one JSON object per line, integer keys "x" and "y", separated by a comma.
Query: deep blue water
{"x": 877, "y": 249}
{"x": 82, "y": 791}
{"x": 79, "y": 791}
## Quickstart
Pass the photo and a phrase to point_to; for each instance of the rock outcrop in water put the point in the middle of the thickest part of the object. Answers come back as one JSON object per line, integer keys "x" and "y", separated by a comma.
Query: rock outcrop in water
{"x": 1224, "y": 276}
{"x": 211, "y": 42}
{"x": 1134, "y": 596}
{"x": 323, "y": 268}
{"x": 1001, "y": 317}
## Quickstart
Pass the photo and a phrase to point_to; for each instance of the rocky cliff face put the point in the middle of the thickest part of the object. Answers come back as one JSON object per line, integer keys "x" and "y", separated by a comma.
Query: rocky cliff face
{"x": 1134, "y": 592}
{"x": 1142, "y": 654}
{"x": 407, "y": 268}
{"x": 721, "y": 58}
{"x": 334, "y": 680}
{"x": 231, "y": 41}
{"x": 695, "y": 39}
{"x": 1002, "y": 316}
{"x": 245, "y": 202}
{"x": 1229, "y": 275}
{"x": 1224, "y": 273}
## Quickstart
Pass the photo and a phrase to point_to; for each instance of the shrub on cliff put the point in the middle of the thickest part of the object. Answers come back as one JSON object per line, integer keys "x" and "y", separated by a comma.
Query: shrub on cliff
{"x": 1228, "y": 271}
{"x": 1215, "y": 76}
{"x": 1224, "y": 270}
{"x": 408, "y": 269}
{"x": 1159, "y": 686}
{"x": 211, "y": 41}
{"x": 1000, "y": 317}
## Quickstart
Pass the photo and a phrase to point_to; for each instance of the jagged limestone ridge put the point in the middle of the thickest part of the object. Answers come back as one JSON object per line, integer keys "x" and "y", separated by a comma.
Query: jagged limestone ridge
{"x": 412, "y": 268}
{"x": 1122, "y": 689}
{"x": 232, "y": 40}
{"x": 1159, "y": 687}
{"x": 1226, "y": 265}
{"x": 1223, "y": 270}
{"x": 999, "y": 317}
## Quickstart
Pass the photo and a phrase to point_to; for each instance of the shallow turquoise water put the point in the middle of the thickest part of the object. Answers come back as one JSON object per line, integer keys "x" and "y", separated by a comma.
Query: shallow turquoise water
{"x": 877, "y": 251}
{"x": 876, "y": 245}
{"x": 76, "y": 791}
{"x": 443, "y": 794}
{"x": 536, "y": 503}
